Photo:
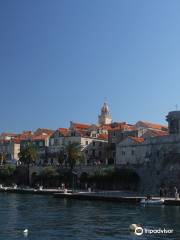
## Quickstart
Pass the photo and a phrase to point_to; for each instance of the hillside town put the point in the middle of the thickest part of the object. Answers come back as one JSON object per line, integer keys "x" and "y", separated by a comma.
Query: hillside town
{"x": 104, "y": 143}
{"x": 138, "y": 146}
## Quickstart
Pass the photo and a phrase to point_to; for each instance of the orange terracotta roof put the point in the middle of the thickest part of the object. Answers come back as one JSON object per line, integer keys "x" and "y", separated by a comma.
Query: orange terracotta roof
{"x": 103, "y": 136}
{"x": 25, "y": 135}
{"x": 82, "y": 132}
{"x": 9, "y": 134}
{"x": 81, "y": 125}
{"x": 47, "y": 131}
{"x": 105, "y": 127}
{"x": 137, "y": 139}
{"x": 123, "y": 126}
{"x": 161, "y": 133}
{"x": 63, "y": 131}
{"x": 155, "y": 133}
{"x": 152, "y": 125}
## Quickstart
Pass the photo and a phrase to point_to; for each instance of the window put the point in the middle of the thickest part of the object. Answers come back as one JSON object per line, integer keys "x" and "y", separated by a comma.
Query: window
{"x": 100, "y": 153}
{"x": 93, "y": 153}
{"x": 87, "y": 142}
{"x": 132, "y": 152}
{"x": 100, "y": 144}
{"x": 114, "y": 134}
{"x": 123, "y": 153}
{"x": 94, "y": 144}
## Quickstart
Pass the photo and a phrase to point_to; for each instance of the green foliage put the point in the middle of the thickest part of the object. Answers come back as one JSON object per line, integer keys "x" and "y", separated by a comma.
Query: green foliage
{"x": 49, "y": 177}
{"x": 7, "y": 174}
{"x": 61, "y": 157}
{"x": 103, "y": 173}
{"x": 48, "y": 173}
{"x": 74, "y": 155}
{"x": 113, "y": 178}
{"x": 28, "y": 154}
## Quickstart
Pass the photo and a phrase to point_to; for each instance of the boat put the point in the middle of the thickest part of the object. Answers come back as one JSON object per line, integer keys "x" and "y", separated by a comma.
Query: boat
{"x": 152, "y": 201}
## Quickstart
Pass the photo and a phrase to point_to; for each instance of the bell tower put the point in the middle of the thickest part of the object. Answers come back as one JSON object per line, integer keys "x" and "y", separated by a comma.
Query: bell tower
{"x": 105, "y": 116}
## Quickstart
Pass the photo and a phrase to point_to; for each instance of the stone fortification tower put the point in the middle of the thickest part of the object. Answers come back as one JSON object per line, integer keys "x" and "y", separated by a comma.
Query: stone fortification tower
{"x": 173, "y": 119}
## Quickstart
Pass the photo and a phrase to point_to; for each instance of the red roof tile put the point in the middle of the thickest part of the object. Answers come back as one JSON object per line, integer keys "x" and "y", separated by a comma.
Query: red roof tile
{"x": 103, "y": 136}
{"x": 64, "y": 131}
{"x": 9, "y": 134}
{"x": 80, "y": 125}
{"x": 137, "y": 139}
{"x": 47, "y": 131}
{"x": 152, "y": 125}
{"x": 156, "y": 133}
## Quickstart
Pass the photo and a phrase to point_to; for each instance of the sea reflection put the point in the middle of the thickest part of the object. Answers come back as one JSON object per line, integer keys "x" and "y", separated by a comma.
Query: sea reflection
{"x": 49, "y": 218}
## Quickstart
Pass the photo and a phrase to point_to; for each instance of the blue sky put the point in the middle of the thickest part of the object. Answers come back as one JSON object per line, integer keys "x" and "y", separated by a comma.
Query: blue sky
{"x": 60, "y": 59}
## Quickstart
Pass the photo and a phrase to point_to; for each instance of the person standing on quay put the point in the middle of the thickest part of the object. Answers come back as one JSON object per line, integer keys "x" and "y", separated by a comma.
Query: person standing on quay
{"x": 176, "y": 192}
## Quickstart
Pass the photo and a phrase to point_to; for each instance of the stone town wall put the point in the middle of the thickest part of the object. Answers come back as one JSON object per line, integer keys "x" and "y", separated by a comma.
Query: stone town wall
{"x": 150, "y": 149}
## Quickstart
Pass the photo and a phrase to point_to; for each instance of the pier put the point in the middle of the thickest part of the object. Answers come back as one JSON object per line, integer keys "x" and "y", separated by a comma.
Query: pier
{"x": 101, "y": 196}
{"x": 108, "y": 196}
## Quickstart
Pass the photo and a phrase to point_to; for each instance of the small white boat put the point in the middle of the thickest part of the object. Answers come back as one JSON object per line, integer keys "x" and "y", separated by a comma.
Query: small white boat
{"x": 25, "y": 232}
{"x": 152, "y": 201}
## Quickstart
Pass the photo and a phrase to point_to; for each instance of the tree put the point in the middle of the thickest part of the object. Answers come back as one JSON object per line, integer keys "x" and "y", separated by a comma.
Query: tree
{"x": 73, "y": 156}
{"x": 73, "y": 153}
{"x": 28, "y": 155}
{"x": 7, "y": 173}
{"x": 3, "y": 158}
{"x": 49, "y": 176}
{"x": 61, "y": 157}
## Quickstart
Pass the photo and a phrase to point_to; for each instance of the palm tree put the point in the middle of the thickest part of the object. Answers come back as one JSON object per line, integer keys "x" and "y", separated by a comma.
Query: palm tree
{"x": 27, "y": 156}
{"x": 73, "y": 156}
{"x": 73, "y": 153}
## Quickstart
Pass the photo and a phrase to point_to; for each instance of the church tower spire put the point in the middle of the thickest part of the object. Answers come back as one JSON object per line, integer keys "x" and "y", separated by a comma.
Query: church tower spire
{"x": 105, "y": 116}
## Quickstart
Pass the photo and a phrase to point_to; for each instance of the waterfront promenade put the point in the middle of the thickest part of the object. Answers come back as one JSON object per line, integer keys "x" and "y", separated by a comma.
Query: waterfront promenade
{"x": 109, "y": 196}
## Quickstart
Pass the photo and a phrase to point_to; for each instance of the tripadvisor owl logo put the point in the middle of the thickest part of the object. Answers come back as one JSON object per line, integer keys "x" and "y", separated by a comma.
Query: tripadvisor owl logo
{"x": 136, "y": 229}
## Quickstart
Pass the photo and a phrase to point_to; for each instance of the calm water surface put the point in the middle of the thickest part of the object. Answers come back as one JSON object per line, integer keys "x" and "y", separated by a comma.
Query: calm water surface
{"x": 50, "y": 218}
